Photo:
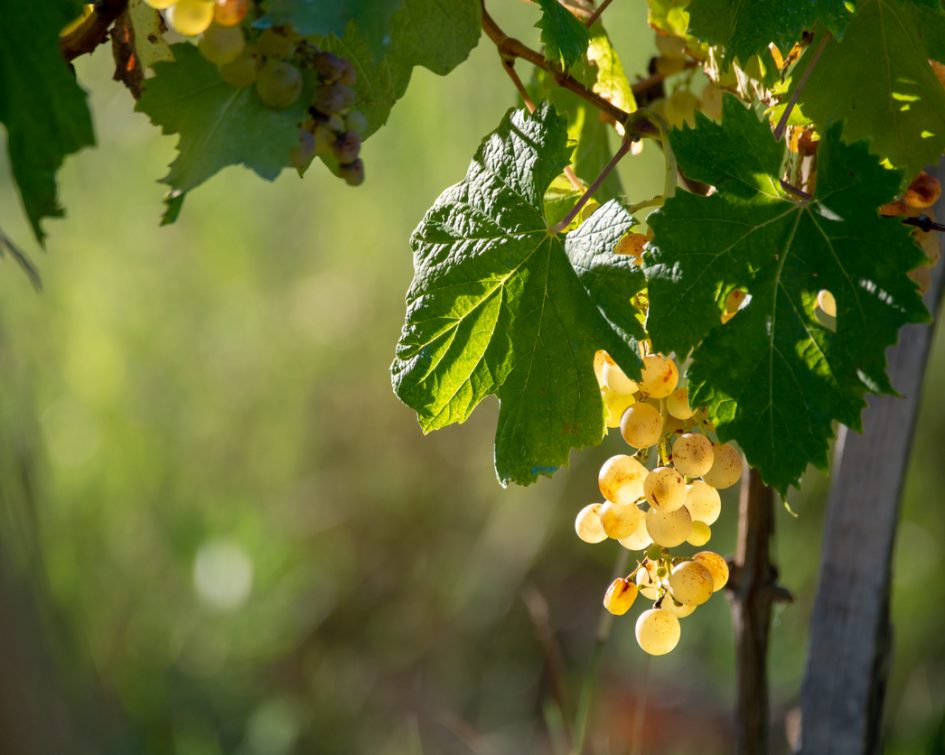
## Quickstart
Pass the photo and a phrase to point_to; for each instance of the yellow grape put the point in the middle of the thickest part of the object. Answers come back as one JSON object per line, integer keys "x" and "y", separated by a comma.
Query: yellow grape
{"x": 691, "y": 582}
{"x": 677, "y": 404}
{"x": 701, "y": 534}
{"x": 639, "y": 540}
{"x": 279, "y": 84}
{"x": 693, "y": 454}
{"x": 665, "y": 489}
{"x": 275, "y": 43}
{"x": 615, "y": 404}
{"x": 222, "y": 44}
{"x": 660, "y": 376}
{"x": 657, "y": 631}
{"x": 160, "y": 4}
{"x": 616, "y": 379}
{"x": 241, "y": 72}
{"x": 827, "y": 303}
{"x": 190, "y": 17}
{"x": 647, "y": 581}
{"x": 621, "y": 479}
{"x": 726, "y": 467}
{"x": 717, "y": 567}
{"x": 588, "y": 526}
{"x": 641, "y": 425}
{"x": 620, "y": 519}
{"x": 600, "y": 358}
{"x": 677, "y": 609}
{"x": 669, "y": 528}
{"x": 620, "y": 596}
{"x": 703, "y": 502}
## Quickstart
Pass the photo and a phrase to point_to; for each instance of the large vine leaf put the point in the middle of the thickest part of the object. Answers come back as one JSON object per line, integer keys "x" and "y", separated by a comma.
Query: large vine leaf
{"x": 219, "y": 125}
{"x": 435, "y": 34}
{"x": 774, "y": 378}
{"x": 332, "y": 17}
{"x": 877, "y": 79}
{"x": 746, "y": 27}
{"x": 502, "y": 305}
{"x": 564, "y": 37}
{"x": 44, "y": 109}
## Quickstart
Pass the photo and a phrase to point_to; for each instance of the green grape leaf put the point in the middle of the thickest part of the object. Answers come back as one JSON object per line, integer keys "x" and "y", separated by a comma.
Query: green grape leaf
{"x": 44, "y": 109}
{"x": 323, "y": 18}
{"x": 746, "y": 27}
{"x": 564, "y": 36}
{"x": 877, "y": 79}
{"x": 435, "y": 34}
{"x": 502, "y": 305}
{"x": 774, "y": 378}
{"x": 219, "y": 125}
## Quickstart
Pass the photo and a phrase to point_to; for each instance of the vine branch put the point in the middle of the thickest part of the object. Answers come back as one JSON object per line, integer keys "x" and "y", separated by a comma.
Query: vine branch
{"x": 782, "y": 122}
{"x": 572, "y": 213}
{"x": 93, "y": 30}
{"x": 596, "y": 14}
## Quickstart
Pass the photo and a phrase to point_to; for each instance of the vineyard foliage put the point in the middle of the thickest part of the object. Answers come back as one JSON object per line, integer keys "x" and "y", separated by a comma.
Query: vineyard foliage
{"x": 815, "y": 116}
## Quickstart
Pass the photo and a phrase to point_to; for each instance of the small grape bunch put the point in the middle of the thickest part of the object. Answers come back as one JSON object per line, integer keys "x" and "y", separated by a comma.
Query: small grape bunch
{"x": 272, "y": 61}
{"x": 662, "y": 494}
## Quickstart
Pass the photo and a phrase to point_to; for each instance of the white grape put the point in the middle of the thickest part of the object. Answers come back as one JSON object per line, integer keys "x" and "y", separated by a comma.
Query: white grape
{"x": 621, "y": 479}
{"x": 616, "y": 379}
{"x": 222, "y": 44}
{"x": 676, "y": 609}
{"x": 691, "y": 582}
{"x": 693, "y": 454}
{"x": 726, "y": 467}
{"x": 615, "y": 404}
{"x": 665, "y": 489}
{"x": 717, "y": 567}
{"x": 700, "y": 534}
{"x": 677, "y": 404}
{"x": 639, "y": 540}
{"x": 190, "y": 17}
{"x": 704, "y": 502}
{"x": 620, "y": 596}
{"x": 657, "y": 631}
{"x": 279, "y": 84}
{"x": 660, "y": 376}
{"x": 668, "y": 528}
{"x": 647, "y": 581}
{"x": 620, "y": 519}
{"x": 588, "y": 526}
{"x": 641, "y": 425}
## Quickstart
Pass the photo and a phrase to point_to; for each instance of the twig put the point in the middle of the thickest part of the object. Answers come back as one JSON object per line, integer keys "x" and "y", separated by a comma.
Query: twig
{"x": 596, "y": 14}
{"x": 7, "y": 245}
{"x": 572, "y": 213}
{"x": 93, "y": 30}
{"x": 782, "y": 123}
{"x": 792, "y": 189}
{"x": 925, "y": 223}
{"x": 604, "y": 624}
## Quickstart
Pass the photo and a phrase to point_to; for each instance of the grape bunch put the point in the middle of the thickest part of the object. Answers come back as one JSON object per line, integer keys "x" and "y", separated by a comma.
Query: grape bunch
{"x": 272, "y": 61}
{"x": 662, "y": 495}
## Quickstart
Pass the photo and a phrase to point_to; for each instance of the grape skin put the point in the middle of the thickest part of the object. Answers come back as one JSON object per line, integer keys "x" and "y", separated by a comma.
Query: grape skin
{"x": 665, "y": 489}
{"x": 641, "y": 425}
{"x": 692, "y": 583}
{"x": 717, "y": 567}
{"x": 704, "y": 502}
{"x": 190, "y": 17}
{"x": 620, "y": 519}
{"x": 677, "y": 404}
{"x": 621, "y": 479}
{"x": 669, "y": 528}
{"x": 639, "y": 540}
{"x": 657, "y": 631}
{"x": 588, "y": 526}
{"x": 660, "y": 376}
{"x": 726, "y": 468}
{"x": 222, "y": 44}
{"x": 615, "y": 404}
{"x": 693, "y": 454}
{"x": 700, "y": 534}
{"x": 620, "y": 596}
{"x": 279, "y": 84}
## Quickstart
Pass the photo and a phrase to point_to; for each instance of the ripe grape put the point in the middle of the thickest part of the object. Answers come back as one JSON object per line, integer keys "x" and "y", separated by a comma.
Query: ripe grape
{"x": 356, "y": 121}
{"x": 827, "y": 303}
{"x": 641, "y": 425}
{"x": 600, "y": 358}
{"x": 329, "y": 67}
{"x": 657, "y": 631}
{"x": 620, "y": 596}
{"x": 346, "y": 147}
{"x": 616, "y": 379}
{"x": 693, "y": 454}
{"x": 615, "y": 404}
{"x": 160, "y": 4}
{"x": 923, "y": 192}
{"x": 726, "y": 468}
{"x": 303, "y": 152}
{"x": 230, "y": 12}
{"x": 701, "y": 534}
{"x": 352, "y": 173}
{"x": 717, "y": 567}
{"x": 621, "y": 479}
{"x": 190, "y": 17}
{"x": 677, "y": 404}
{"x": 665, "y": 489}
{"x": 660, "y": 376}
{"x": 279, "y": 84}
{"x": 639, "y": 540}
{"x": 703, "y": 502}
{"x": 677, "y": 609}
{"x": 333, "y": 98}
{"x": 587, "y": 524}
{"x": 691, "y": 582}
{"x": 222, "y": 44}
{"x": 669, "y": 528}
{"x": 620, "y": 519}
{"x": 324, "y": 140}
{"x": 241, "y": 72}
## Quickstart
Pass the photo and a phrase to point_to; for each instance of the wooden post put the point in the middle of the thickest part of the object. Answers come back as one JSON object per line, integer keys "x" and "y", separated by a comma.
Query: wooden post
{"x": 850, "y": 634}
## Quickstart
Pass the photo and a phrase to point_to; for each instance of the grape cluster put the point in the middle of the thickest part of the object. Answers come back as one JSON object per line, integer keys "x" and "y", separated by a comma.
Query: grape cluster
{"x": 272, "y": 61}
{"x": 664, "y": 494}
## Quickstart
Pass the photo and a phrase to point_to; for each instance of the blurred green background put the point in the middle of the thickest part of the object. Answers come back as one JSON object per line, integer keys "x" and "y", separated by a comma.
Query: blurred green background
{"x": 221, "y": 532}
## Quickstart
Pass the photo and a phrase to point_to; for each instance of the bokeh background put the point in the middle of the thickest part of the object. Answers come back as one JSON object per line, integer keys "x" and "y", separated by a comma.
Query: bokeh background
{"x": 221, "y": 533}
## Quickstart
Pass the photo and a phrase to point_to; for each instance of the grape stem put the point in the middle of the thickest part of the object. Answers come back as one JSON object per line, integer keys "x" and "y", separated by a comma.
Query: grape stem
{"x": 596, "y": 14}
{"x": 579, "y": 205}
{"x": 93, "y": 30}
{"x": 7, "y": 246}
{"x": 782, "y": 122}
{"x": 637, "y": 124}
{"x": 925, "y": 223}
